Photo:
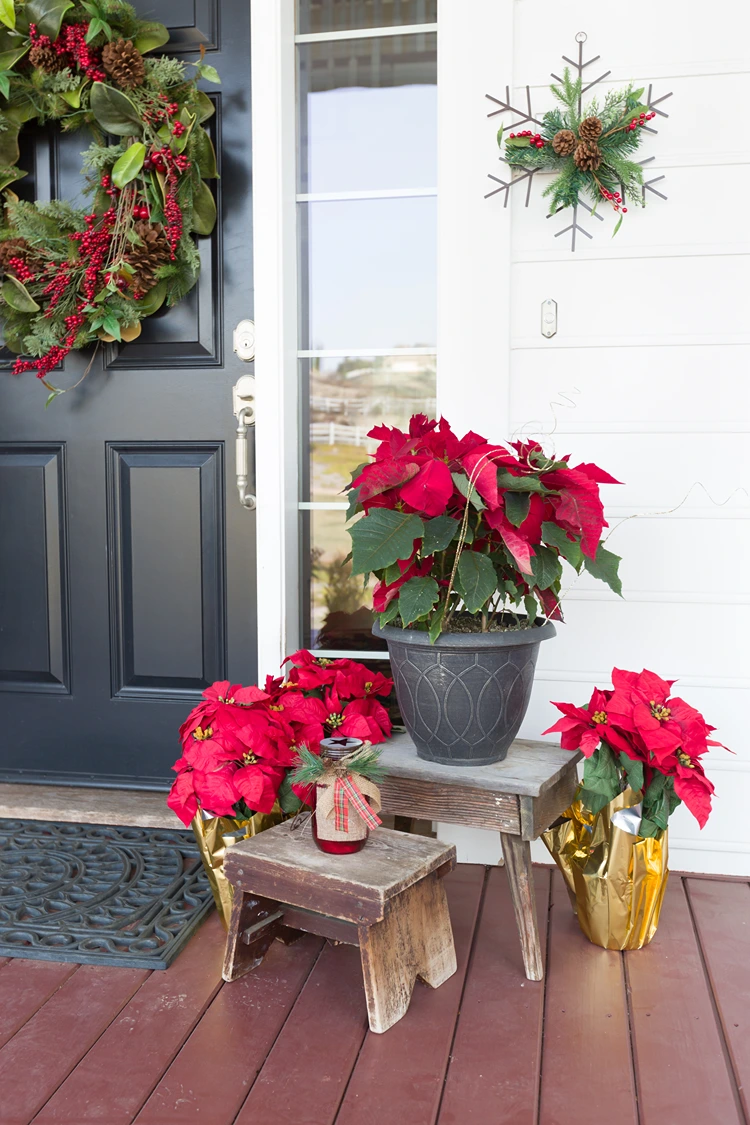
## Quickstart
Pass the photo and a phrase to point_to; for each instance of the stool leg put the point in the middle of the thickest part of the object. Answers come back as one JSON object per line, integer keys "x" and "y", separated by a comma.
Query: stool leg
{"x": 414, "y": 939}
{"x": 517, "y": 855}
{"x": 254, "y": 924}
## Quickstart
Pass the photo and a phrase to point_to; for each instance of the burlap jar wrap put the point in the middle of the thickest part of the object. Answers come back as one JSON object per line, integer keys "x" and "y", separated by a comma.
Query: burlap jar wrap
{"x": 217, "y": 833}
{"x": 325, "y": 809}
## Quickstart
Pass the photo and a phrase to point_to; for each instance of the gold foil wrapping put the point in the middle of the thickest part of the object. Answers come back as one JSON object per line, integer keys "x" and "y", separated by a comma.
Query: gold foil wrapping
{"x": 214, "y": 835}
{"x": 616, "y": 880}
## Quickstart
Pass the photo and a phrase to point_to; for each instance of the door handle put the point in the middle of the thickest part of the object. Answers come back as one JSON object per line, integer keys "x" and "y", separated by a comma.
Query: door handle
{"x": 243, "y": 401}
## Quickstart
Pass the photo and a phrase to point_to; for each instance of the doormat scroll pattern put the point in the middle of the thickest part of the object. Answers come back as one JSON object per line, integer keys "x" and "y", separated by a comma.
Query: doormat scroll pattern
{"x": 99, "y": 894}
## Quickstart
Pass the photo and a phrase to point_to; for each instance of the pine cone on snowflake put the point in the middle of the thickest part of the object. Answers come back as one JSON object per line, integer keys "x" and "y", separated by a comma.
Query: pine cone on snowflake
{"x": 587, "y": 156}
{"x": 124, "y": 62}
{"x": 564, "y": 142}
{"x": 46, "y": 59}
{"x": 13, "y": 248}
{"x": 145, "y": 259}
{"x": 590, "y": 129}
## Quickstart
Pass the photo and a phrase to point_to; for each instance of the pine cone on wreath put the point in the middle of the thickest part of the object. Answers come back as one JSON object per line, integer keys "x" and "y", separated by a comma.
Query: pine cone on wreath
{"x": 145, "y": 259}
{"x": 590, "y": 129}
{"x": 13, "y": 248}
{"x": 46, "y": 59}
{"x": 587, "y": 156}
{"x": 124, "y": 62}
{"x": 564, "y": 142}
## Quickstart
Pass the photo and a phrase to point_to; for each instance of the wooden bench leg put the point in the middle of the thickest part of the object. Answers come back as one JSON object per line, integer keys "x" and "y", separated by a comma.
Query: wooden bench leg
{"x": 517, "y": 854}
{"x": 414, "y": 939}
{"x": 254, "y": 924}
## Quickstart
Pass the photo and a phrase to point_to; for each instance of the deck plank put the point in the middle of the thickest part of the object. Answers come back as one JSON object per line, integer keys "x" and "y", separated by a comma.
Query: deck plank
{"x": 493, "y": 1075}
{"x": 42, "y": 1054}
{"x": 586, "y": 1033}
{"x": 679, "y": 1057}
{"x": 24, "y": 987}
{"x": 722, "y": 917}
{"x": 306, "y": 1072}
{"x": 414, "y": 1053}
{"x": 211, "y": 1076}
{"x": 121, "y": 1070}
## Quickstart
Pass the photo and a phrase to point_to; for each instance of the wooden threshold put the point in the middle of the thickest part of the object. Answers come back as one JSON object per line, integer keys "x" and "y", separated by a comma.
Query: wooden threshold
{"x": 132, "y": 807}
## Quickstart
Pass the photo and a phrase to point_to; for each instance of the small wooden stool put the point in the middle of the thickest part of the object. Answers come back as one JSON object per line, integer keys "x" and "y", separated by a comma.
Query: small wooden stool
{"x": 388, "y": 899}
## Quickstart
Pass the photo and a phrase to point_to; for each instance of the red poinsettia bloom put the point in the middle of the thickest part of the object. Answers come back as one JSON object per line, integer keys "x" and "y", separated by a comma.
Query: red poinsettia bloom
{"x": 364, "y": 682}
{"x": 583, "y": 728}
{"x": 691, "y": 785}
{"x": 182, "y": 798}
{"x": 258, "y": 784}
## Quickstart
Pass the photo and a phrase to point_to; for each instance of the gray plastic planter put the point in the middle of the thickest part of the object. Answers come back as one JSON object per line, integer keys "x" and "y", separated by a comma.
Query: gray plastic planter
{"x": 464, "y": 698}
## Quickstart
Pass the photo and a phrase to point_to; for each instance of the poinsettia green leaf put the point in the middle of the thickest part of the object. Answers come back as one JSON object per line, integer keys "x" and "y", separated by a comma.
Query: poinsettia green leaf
{"x": 114, "y": 111}
{"x": 204, "y": 210}
{"x": 545, "y": 566}
{"x": 390, "y": 611}
{"x": 532, "y": 608}
{"x": 153, "y": 299}
{"x": 17, "y": 295}
{"x": 569, "y": 549}
{"x": 461, "y": 482}
{"x": 205, "y": 156}
{"x": 519, "y": 484}
{"x": 633, "y": 771}
{"x": 47, "y": 15}
{"x": 151, "y": 35}
{"x": 288, "y": 799}
{"x": 436, "y": 624}
{"x": 353, "y": 502}
{"x": 8, "y": 13}
{"x": 438, "y": 533}
{"x": 604, "y": 567}
{"x": 383, "y": 537}
{"x": 476, "y": 580}
{"x": 517, "y": 506}
{"x": 416, "y": 598}
{"x": 600, "y": 774}
{"x": 593, "y": 801}
{"x": 391, "y": 574}
{"x": 127, "y": 167}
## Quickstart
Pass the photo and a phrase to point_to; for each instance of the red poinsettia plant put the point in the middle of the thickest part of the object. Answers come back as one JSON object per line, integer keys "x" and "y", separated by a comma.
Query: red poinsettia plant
{"x": 239, "y": 743}
{"x": 463, "y": 525}
{"x": 641, "y": 736}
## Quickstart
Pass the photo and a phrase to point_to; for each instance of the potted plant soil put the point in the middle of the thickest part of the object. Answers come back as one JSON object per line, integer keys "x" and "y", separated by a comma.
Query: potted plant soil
{"x": 466, "y": 540}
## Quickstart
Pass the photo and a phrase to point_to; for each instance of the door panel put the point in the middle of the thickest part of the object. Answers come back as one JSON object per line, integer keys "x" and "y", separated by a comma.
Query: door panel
{"x": 126, "y": 562}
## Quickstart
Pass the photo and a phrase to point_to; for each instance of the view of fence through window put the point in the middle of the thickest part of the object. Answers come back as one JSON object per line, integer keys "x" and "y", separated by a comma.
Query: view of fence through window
{"x": 367, "y": 121}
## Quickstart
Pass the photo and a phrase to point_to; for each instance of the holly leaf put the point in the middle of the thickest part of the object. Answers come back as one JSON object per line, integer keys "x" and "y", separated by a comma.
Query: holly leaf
{"x": 476, "y": 580}
{"x": 604, "y": 567}
{"x": 151, "y": 35}
{"x": 210, "y": 73}
{"x": 8, "y": 15}
{"x": 416, "y": 598}
{"x": 570, "y": 549}
{"x": 47, "y": 15}
{"x": 127, "y": 167}
{"x": 545, "y": 566}
{"x": 17, "y": 295}
{"x": 114, "y": 111}
{"x": 383, "y": 537}
{"x": 438, "y": 533}
{"x": 517, "y": 506}
{"x": 204, "y": 210}
{"x": 633, "y": 771}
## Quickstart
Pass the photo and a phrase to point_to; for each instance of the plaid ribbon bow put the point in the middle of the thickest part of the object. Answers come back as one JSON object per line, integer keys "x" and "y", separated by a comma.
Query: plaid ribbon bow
{"x": 344, "y": 791}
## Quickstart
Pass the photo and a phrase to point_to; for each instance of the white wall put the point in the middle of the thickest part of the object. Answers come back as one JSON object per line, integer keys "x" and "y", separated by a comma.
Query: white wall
{"x": 652, "y": 345}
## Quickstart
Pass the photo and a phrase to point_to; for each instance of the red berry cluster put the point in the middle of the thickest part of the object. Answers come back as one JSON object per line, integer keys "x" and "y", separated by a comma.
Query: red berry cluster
{"x": 614, "y": 198}
{"x": 109, "y": 187}
{"x": 640, "y": 120}
{"x": 141, "y": 211}
{"x": 21, "y": 270}
{"x": 73, "y": 49}
{"x": 178, "y": 129}
{"x": 535, "y": 141}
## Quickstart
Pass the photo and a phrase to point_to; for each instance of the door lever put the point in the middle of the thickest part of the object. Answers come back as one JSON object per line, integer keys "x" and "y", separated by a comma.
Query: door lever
{"x": 243, "y": 402}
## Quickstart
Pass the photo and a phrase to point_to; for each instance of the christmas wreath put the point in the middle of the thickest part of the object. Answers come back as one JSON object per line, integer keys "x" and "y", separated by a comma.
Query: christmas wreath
{"x": 73, "y": 276}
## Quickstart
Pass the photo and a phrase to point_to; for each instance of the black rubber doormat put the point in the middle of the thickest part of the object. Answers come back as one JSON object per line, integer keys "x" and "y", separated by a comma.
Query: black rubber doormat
{"x": 99, "y": 894}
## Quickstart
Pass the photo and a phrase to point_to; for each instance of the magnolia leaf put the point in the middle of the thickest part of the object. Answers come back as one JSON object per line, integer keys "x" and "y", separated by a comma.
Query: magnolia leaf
{"x": 131, "y": 332}
{"x": 383, "y": 537}
{"x": 633, "y": 769}
{"x": 517, "y": 506}
{"x": 73, "y": 97}
{"x": 416, "y": 598}
{"x": 205, "y": 108}
{"x": 618, "y": 224}
{"x": 13, "y": 341}
{"x": 10, "y": 175}
{"x": 8, "y": 14}
{"x": 210, "y": 73}
{"x": 128, "y": 166}
{"x": 604, "y": 567}
{"x": 205, "y": 156}
{"x": 461, "y": 482}
{"x": 5, "y": 84}
{"x": 153, "y": 299}
{"x": 9, "y": 151}
{"x": 569, "y": 549}
{"x": 114, "y": 111}
{"x": 54, "y": 394}
{"x": 10, "y": 57}
{"x": 47, "y": 15}
{"x": 150, "y": 36}
{"x": 436, "y": 625}
{"x": 519, "y": 484}
{"x": 477, "y": 580}
{"x": 545, "y": 566}
{"x": 159, "y": 182}
{"x": 188, "y": 119}
{"x": 204, "y": 210}
{"x": 438, "y": 533}
{"x": 17, "y": 295}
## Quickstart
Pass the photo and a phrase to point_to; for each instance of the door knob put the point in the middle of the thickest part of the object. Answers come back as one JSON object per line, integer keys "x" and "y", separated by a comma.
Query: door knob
{"x": 243, "y": 406}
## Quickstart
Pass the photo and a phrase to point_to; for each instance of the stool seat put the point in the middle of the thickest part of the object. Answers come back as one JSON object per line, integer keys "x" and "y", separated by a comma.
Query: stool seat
{"x": 387, "y": 898}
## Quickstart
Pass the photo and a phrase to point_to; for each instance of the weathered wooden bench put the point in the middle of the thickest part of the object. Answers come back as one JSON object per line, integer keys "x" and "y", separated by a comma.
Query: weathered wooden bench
{"x": 519, "y": 798}
{"x": 388, "y": 899}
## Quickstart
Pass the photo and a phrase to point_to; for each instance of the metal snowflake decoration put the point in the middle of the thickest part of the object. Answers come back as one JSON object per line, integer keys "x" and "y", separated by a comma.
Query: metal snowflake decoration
{"x": 600, "y": 170}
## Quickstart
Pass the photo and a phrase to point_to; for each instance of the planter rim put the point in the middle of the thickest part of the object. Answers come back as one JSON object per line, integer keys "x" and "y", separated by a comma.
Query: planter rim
{"x": 466, "y": 640}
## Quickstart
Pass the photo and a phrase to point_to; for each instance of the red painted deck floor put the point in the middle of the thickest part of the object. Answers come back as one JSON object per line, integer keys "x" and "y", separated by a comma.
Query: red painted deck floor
{"x": 657, "y": 1037}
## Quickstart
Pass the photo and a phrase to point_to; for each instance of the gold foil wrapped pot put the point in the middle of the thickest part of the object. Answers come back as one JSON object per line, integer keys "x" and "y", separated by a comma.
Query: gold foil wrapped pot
{"x": 214, "y": 834}
{"x": 616, "y": 878}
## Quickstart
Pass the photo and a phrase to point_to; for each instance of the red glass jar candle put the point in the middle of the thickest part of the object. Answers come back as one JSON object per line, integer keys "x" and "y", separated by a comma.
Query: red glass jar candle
{"x": 335, "y": 749}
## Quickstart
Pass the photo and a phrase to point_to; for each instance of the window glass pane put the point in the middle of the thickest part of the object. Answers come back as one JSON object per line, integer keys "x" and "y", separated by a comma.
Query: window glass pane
{"x": 346, "y": 398}
{"x": 367, "y": 274}
{"x": 345, "y": 15}
{"x": 368, "y": 114}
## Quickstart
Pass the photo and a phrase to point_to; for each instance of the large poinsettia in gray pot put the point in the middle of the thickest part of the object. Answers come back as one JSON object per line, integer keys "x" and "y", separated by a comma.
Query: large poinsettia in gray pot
{"x": 466, "y": 540}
